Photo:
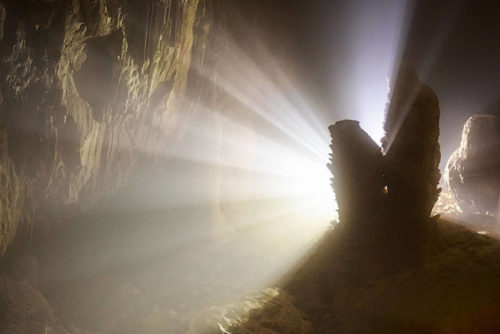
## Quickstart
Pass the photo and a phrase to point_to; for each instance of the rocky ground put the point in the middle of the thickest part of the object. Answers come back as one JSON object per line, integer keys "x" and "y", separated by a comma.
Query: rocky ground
{"x": 454, "y": 288}
{"x": 449, "y": 284}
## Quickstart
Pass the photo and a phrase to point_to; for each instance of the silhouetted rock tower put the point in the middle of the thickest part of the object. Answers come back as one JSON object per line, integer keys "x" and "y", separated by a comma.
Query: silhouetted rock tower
{"x": 356, "y": 163}
{"x": 398, "y": 188}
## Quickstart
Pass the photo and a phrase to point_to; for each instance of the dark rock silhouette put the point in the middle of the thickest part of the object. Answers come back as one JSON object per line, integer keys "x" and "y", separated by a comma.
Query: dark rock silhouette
{"x": 397, "y": 189}
{"x": 357, "y": 166}
{"x": 411, "y": 147}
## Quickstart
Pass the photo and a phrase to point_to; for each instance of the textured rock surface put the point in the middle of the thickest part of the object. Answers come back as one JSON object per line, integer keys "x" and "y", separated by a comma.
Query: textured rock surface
{"x": 89, "y": 91}
{"x": 90, "y": 88}
{"x": 473, "y": 170}
{"x": 85, "y": 92}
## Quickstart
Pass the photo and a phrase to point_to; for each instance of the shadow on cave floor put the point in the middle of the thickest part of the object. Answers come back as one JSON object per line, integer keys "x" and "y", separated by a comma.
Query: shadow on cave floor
{"x": 347, "y": 287}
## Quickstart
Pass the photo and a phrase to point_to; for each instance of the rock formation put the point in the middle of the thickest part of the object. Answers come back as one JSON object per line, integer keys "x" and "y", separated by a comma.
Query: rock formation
{"x": 399, "y": 187}
{"x": 360, "y": 271}
{"x": 90, "y": 91}
{"x": 473, "y": 170}
{"x": 84, "y": 93}
{"x": 356, "y": 164}
{"x": 411, "y": 146}
{"x": 354, "y": 282}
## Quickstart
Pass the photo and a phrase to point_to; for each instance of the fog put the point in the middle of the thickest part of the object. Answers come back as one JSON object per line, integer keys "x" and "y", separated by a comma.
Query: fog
{"x": 241, "y": 192}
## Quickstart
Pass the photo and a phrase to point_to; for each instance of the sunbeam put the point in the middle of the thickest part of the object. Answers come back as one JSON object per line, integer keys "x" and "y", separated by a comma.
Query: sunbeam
{"x": 197, "y": 166}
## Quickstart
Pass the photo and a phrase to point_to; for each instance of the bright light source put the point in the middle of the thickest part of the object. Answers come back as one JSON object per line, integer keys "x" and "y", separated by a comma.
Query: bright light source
{"x": 311, "y": 181}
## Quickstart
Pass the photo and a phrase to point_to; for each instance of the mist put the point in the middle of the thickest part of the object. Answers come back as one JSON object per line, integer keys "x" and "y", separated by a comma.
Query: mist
{"x": 165, "y": 161}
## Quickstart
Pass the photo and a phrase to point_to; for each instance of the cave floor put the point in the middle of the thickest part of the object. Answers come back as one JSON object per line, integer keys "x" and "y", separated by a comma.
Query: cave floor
{"x": 455, "y": 288}
{"x": 126, "y": 271}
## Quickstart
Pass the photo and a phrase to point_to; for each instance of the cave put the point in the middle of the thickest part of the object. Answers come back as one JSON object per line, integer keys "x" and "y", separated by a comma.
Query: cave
{"x": 264, "y": 166}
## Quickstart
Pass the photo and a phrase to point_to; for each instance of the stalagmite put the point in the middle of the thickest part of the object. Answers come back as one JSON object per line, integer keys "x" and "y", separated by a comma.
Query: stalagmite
{"x": 397, "y": 189}
{"x": 356, "y": 163}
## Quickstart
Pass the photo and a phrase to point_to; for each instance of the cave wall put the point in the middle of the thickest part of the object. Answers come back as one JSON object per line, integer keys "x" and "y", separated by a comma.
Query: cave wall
{"x": 89, "y": 90}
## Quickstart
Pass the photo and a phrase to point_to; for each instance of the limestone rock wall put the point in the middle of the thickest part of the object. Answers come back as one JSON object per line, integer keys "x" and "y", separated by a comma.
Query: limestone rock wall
{"x": 91, "y": 89}
{"x": 87, "y": 88}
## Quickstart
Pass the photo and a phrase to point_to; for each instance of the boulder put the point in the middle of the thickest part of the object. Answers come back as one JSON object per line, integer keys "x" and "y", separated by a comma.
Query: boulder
{"x": 473, "y": 171}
